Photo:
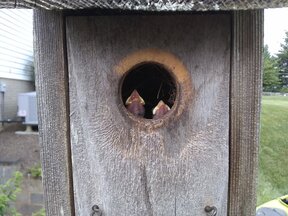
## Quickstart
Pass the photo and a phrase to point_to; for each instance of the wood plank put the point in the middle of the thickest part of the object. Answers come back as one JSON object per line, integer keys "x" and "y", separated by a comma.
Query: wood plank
{"x": 130, "y": 169}
{"x": 52, "y": 92}
{"x": 246, "y": 86}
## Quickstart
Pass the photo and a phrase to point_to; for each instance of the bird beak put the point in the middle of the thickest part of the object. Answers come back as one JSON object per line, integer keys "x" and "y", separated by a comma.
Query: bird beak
{"x": 135, "y": 97}
{"x": 161, "y": 106}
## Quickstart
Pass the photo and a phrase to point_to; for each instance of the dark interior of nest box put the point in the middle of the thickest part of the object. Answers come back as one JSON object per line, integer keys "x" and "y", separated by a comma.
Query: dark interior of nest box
{"x": 153, "y": 83}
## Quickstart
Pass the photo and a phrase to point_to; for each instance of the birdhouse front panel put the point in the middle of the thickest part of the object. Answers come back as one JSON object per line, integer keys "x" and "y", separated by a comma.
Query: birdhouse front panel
{"x": 149, "y": 113}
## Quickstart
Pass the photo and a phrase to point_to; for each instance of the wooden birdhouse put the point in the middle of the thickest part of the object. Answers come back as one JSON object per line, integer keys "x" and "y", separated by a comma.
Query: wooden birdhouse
{"x": 151, "y": 108}
{"x": 197, "y": 158}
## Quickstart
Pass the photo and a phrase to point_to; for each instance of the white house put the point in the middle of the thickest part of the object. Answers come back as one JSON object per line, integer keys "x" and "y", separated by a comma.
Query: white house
{"x": 16, "y": 58}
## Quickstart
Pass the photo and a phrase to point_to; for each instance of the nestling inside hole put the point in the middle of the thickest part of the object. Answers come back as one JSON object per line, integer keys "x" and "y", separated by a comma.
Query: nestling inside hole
{"x": 148, "y": 90}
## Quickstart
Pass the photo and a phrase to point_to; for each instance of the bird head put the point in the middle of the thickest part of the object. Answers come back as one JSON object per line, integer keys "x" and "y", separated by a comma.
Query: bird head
{"x": 160, "y": 110}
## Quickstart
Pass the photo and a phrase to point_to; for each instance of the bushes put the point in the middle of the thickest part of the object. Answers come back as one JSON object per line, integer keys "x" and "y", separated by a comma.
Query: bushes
{"x": 284, "y": 90}
{"x": 8, "y": 192}
{"x": 35, "y": 171}
{"x": 41, "y": 212}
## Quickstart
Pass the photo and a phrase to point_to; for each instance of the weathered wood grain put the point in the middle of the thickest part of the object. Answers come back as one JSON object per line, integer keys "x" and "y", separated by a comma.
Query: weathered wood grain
{"x": 246, "y": 82}
{"x": 52, "y": 94}
{"x": 130, "y": 169}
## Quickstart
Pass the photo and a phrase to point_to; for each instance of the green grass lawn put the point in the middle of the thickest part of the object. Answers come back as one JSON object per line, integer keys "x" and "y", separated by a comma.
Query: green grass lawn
{"x": 273, "y": 158}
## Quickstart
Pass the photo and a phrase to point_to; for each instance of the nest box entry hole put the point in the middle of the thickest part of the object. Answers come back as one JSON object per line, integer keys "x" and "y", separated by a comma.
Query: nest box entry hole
{"x": 149, "y": 90}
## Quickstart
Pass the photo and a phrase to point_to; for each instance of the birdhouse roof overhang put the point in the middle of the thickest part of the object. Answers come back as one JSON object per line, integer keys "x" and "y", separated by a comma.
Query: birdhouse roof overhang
{"x": 146, "y": 5}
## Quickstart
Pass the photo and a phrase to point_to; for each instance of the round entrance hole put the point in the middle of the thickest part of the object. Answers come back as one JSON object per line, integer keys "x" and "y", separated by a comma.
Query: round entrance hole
{"x": 153, "y": 82}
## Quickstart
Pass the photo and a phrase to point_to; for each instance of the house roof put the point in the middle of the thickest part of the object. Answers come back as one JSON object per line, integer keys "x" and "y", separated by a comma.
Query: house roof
{"x": 146, "y": 5}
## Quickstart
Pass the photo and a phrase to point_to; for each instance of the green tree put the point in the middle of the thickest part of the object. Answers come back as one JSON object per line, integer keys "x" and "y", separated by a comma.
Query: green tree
{"x": 283, "y": 62}
{"x": 271, "y": 79}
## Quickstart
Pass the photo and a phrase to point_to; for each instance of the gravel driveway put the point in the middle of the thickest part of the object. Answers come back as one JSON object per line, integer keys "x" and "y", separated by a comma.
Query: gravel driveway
{"x": 21, "y": 148}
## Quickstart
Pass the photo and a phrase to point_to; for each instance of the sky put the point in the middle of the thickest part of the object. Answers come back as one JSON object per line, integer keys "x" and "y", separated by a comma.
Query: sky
{"x": 275, "y": 25}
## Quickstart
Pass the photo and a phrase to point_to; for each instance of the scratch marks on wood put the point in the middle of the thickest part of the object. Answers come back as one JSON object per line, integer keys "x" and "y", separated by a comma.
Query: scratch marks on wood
{"x": 175, "y": 206}
{"x": 146, "y": 192}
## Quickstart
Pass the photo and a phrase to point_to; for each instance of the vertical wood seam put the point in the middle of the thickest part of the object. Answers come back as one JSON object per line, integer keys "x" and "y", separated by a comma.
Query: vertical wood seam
{"x": 69, "y": 159}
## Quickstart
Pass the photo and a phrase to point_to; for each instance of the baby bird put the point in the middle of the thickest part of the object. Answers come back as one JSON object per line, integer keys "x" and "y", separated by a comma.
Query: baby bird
{"x": 160, "y": 110}
{"x": 135, "y": 104}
